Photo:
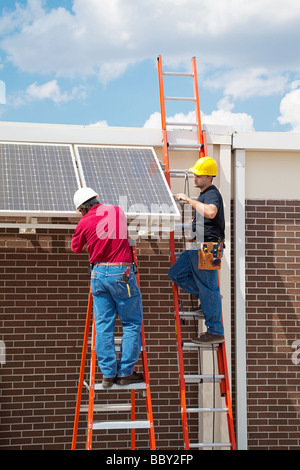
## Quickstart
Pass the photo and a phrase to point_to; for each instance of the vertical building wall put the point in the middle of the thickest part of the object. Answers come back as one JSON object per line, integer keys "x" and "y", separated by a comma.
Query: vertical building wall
{"x": 272, "y": 323}
{"x": 272, "y": 298}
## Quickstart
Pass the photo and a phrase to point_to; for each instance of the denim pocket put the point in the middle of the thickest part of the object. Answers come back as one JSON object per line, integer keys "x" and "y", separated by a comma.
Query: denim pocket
{"x": 122, "y": 289}
{"x": 96, "y": 283}
{"x": 94, "y": 286}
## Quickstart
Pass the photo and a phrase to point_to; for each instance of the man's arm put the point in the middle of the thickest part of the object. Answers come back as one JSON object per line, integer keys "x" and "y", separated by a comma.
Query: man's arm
{"x": 206, "y": 210}
{"x": 78, "y": 240}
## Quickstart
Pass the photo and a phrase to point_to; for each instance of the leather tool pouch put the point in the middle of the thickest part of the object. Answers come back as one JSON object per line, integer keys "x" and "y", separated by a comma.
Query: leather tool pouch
{"x": 210, "y": 255}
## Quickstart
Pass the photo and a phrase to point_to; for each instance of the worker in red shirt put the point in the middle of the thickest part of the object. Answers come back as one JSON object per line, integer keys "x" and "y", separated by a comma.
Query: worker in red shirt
{"x": 103, "y": 229}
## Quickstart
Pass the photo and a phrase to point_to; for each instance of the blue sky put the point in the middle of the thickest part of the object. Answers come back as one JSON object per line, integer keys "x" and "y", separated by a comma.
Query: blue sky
{"x": 94, "y": 62}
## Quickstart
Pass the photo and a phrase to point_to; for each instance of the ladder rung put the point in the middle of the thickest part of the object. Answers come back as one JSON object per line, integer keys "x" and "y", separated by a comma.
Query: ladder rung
{"x": 181, "y": 171}
{"x": 179, "y": 98}
{"x": 199, "y": 378}
{"x": 187, "y": 146}
{"x": 133, "y": 386}
{"x": 186, "y": 149}
{"x": 179, "y": 74}
{"x": 107, "y": 408}
{"x": 205, "y": 347}
{"x": 180, "y": 175}
{"x": 191, "y": 315}
{"x": 210, "y": 444}
{"x": 121, "y": 425}
{"x": 205, "y": 410}
{"x": 186, "y": 124}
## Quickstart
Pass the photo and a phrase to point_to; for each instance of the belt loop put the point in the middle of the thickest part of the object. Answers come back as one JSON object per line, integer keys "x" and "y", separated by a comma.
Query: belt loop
{"x": 121, "y": 265}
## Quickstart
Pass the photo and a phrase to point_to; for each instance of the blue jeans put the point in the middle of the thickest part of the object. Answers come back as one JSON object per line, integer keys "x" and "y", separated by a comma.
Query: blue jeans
{"x": 200, "y": 283}
{"x": 111, "y": 296}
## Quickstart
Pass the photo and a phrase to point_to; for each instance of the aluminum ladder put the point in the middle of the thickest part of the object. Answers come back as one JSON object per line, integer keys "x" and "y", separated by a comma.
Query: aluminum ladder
{"x": 94, "y": 387}
{"x": 181, "y": 316}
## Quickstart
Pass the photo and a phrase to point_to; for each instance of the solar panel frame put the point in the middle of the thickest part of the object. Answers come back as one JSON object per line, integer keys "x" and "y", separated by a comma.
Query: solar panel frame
{"x": 156, "y": 169}
{"x": 40, "y": 181}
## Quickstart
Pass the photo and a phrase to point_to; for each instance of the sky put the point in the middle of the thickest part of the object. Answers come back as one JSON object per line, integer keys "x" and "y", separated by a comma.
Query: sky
{"x": 94, "y": 62}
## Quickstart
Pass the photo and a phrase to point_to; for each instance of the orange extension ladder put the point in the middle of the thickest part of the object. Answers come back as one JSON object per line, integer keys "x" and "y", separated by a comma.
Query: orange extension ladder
{"x": 93, "y": 387}
{"x": 180, "y": 316}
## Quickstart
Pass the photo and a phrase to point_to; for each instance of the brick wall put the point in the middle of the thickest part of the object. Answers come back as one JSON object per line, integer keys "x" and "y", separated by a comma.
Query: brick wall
{"x": 44, "y": 291}
{"x": 273, "y": 314}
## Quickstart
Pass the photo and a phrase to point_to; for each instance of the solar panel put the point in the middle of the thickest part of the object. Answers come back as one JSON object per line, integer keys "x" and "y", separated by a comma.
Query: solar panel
{"x": 130, "y": 177}
{"x": 37, "y": 178}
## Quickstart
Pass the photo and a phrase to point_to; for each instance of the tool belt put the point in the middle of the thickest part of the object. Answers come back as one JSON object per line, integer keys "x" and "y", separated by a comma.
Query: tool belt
{"x": 210, "y": 255}
{"x": 92, "y": 265}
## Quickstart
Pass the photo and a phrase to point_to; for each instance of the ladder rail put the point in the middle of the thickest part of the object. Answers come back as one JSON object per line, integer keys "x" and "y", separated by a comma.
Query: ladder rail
{"x": 203, "y": 151}
{"x": 82, "y": 367}
{"x": 179, "y": 343}
{"x": 91, "y": 389}
{"x": 163, "y": 120}
{"x": 145, "y": 367}
{"x": 225, "y": 387}
{"x": 223, "y": 368}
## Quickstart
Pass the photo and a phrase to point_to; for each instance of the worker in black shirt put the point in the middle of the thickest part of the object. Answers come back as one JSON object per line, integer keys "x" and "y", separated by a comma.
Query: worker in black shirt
{"x": 196, "y": 269}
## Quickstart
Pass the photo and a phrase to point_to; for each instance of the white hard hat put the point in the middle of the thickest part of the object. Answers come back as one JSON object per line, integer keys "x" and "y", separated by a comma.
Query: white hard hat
{"x": 83, "y": 195}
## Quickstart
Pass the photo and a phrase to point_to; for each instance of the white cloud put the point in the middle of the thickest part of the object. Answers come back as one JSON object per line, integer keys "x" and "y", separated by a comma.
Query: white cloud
{"x": 49, "y": 90}
{"x": 154, "y": 121}
{"x": 290, "y": 110}
{"x": 224, "y": 115}
{"x": 100, "y": 124}
{"x": 104, "y": 38}
{"x": 2, "y": 92}
{"x": 247, "y": 83}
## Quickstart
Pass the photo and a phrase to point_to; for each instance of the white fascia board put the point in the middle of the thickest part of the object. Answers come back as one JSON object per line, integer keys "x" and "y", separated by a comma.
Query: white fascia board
{"x": 218, "y": 134}
{"x": 276, "y": 141}
{"x": 215, "y": 135}
{"x": 75, "y": 134}
{"x": 59, "y": 133}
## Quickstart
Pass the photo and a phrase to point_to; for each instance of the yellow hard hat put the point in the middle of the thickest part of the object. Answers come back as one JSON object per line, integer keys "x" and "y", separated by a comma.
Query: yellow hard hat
{"x": 205, "y": 166}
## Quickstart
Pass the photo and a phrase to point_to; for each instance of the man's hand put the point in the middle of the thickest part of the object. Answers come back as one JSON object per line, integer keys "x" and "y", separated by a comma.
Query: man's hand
{"x": 206, "y": 210}
{"x": 182, "y": 197}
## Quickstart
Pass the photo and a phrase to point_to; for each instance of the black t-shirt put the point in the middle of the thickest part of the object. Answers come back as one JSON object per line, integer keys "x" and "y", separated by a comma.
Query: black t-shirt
{"x": 213, "y": 228}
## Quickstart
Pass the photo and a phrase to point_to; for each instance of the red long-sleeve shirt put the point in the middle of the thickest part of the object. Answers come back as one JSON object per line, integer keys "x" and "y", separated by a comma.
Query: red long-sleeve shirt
{"x": 104, "y": 231}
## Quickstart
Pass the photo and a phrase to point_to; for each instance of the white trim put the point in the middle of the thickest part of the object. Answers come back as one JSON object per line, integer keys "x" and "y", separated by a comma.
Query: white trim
{"x": 288, "y": 141}
{"x": 68, "y": 134}
{"x": 240, "y": 306}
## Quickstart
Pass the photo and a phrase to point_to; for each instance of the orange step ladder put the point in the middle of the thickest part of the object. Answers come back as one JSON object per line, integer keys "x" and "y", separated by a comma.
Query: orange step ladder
{"x": 180, "y": 316}
{"x": 93, "y": 387}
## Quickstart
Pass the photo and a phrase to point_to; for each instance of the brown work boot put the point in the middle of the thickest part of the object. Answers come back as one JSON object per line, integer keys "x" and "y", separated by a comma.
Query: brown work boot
{"x": 208, "y": 338}
{"x": 130, "y": 379}
{"x": 108, "y": 382}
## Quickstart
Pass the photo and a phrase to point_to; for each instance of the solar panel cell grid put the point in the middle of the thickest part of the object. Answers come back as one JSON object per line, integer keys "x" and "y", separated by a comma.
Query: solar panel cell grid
{"x": 128, "y": 174}
{"x": 37, "y": 178}
{"x": 42, "y": 178}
